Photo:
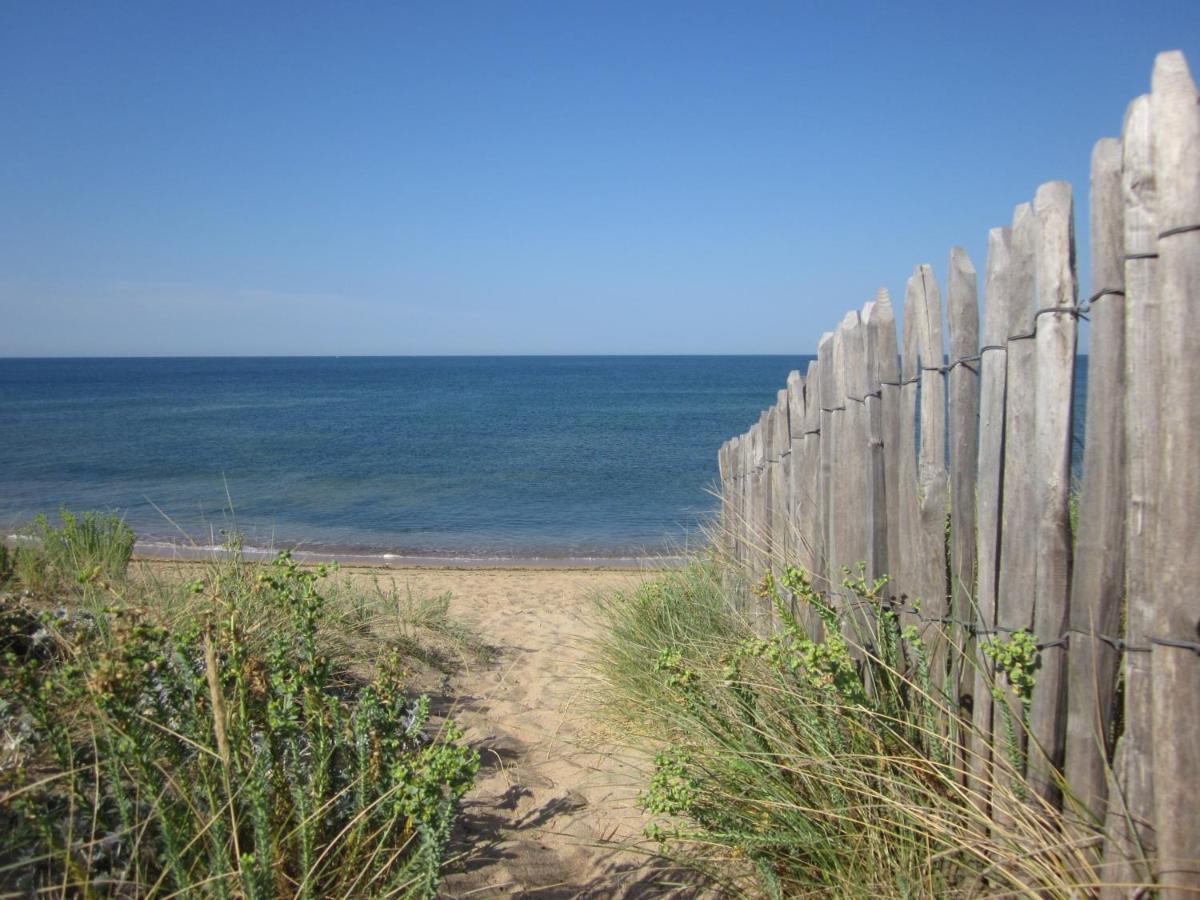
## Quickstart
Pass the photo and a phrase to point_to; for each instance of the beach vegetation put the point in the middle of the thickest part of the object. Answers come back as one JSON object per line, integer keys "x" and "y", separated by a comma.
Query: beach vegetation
{"x": 237, "y": 731}
{"x": 85, "y": 549}
{"x": 783, "y": 765}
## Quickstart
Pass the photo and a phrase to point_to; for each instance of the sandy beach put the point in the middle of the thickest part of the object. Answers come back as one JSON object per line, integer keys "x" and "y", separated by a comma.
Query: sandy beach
{"x": 549, "y": 796}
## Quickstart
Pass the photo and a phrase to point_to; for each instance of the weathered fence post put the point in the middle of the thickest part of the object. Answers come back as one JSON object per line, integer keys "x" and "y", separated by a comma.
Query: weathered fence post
{"x": 1018, "y": 538}
{"x": 1130, "y": 820}
{"x": 754, "y": 503}
{"x": 911, "y": 550}
{"x": 931, "y": 461}
{"x": 1098, "y": 575}
{"x": 1056, "y": 290}
{"x": 781, "y": 510}
{"x": 770, "y": 451}
{"x": 743, "y": 469}
{"x": 1056, "y": 327}
{"x": 821, "y": 576}
{"x": 880, "y": 328}
{"x": 839, "y": 512}
{"x": 963, "y": 377}
{"x": 1175, "y": 654}
{"x": 812, "y": 524}
{"x": 856, "y": 523}
{"x": 993, "y": 358}
{"x": 794, "y": 472}
{"x": 725, "y": 522}
{"x": 810, "y": 471}
{"x": 762, "y": 524}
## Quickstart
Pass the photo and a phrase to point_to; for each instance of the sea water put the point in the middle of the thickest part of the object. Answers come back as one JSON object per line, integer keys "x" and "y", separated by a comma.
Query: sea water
{"x": 471, "y": 457}
{"x": 381, "y": 458}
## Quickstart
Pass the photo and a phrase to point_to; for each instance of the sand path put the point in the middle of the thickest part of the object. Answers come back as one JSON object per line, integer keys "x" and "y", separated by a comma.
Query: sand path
{"x": 549, "y": 802}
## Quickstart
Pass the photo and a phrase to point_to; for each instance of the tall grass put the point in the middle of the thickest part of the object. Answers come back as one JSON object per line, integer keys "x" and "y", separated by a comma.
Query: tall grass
{"x": 788, "y": 767}
{"x": 218, "y": 737}
{"x": 420, "y": 627}
{"x": 80, "y": 549}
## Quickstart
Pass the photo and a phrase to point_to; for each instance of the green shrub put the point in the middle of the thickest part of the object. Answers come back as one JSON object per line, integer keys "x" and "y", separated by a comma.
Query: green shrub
{"x": 226, "y": 755}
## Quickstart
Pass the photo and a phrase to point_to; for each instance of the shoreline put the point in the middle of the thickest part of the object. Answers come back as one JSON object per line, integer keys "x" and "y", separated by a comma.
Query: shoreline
{"x": 349, "y": 558}
{"x": 425, "y": 562}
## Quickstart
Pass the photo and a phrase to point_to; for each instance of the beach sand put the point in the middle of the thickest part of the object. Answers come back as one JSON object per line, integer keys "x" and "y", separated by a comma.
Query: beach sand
{"x": 550, "y": 796}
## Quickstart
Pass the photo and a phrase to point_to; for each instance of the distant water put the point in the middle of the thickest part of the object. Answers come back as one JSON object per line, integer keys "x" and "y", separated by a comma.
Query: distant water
{"x": 473, "y": 457}
{"x": 468, "y": 458}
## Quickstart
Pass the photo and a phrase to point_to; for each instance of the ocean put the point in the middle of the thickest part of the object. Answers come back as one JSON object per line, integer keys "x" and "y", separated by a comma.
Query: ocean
{"x": 560, "y": 458}
{"x": 387, "y": 458}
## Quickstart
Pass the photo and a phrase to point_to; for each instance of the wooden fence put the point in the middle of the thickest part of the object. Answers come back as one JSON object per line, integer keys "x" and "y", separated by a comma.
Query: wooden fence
{"x": 971, "y": 511}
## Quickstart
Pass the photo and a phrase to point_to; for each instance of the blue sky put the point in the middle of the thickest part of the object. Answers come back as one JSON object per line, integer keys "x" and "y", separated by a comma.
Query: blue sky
{"x": 647, "y": 177}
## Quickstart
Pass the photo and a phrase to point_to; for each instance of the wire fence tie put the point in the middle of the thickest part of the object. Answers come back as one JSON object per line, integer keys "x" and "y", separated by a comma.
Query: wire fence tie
{"x": 1179, "y": 230}
{"x": 1105, "y": 292}
{"x": 1171, "y": 642}
{"x": 965, "y": 361}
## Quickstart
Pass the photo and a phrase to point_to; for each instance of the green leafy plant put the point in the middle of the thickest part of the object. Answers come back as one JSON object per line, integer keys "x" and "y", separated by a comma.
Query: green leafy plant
{"x": 1016, "y": 661}
{"x": 1017, "y": 658}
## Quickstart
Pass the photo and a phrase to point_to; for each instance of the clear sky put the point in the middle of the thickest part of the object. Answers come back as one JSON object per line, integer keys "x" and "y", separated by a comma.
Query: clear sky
{"x": 518, "y": 177}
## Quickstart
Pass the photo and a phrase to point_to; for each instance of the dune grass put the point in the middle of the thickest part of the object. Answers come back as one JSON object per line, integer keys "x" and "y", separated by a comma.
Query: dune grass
{"x": 247, "y": 732}
{"x": 785, "y": 766}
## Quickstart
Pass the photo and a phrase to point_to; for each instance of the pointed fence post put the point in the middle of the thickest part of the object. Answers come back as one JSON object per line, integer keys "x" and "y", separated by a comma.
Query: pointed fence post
{"x": 911, "y": 545}
{"x": 840, "y": 466}
{"x": 1175, "y": 639}
{"x": 770, "y": 453}
{"x": 781, "y": 510}
{"x": 1055, "y": 341}
{"x": 855, "y": 473}
{"x": 762, "y": 518}
{"x": 823, "y": 577}
{"x": 963, "y": 385}
{"x": 1098, "y": 573}
{"x": 880, "y": 329}
{"x": 735, "y": 501}
{"x": 812, "y": 525}
{"x": 931, "y": 464}
{"x": 1018, "y": 529}
{"x": 725, "y": 492}
{"x": 743, "y": 468}
{"x": 1129, "y": 822}
{"x": 794, "y": 476}
{"x": 754, "y": 500}
{"x": 993, "y": 363}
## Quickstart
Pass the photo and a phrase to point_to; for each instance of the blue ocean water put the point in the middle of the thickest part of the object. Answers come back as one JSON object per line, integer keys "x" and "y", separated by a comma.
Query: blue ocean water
{"x": 567, "y": 457}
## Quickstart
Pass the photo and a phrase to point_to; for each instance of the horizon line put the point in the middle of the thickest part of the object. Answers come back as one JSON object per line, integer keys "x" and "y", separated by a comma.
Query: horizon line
{"x": 7, "y": 357}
